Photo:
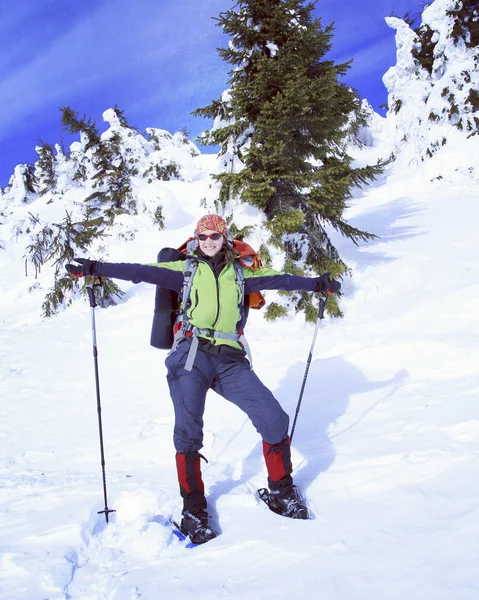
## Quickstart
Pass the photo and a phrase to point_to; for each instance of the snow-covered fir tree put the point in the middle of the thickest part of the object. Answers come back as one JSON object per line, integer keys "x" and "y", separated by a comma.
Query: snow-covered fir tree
{"x": 434, "y": 83}
{"x": 283, "y": 127}
{"x": 23, "y": 185}
{"x": 112, "y": 170}
{"x": 45, "y": 173}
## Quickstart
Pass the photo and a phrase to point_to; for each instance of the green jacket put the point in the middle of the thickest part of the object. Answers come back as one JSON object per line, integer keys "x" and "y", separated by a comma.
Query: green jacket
{"x": 215, "y": 299}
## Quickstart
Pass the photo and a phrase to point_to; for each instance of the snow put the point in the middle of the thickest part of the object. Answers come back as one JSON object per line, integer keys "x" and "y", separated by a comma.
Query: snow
{"x": 425, "y": 105}
{"x": 385, "y": 448}
{"x": 273, "y": 49}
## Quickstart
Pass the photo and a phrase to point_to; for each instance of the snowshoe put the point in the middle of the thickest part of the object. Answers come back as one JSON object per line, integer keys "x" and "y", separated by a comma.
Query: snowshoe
{"x": 195, "y": 525}
{"x": 286, "y": 502}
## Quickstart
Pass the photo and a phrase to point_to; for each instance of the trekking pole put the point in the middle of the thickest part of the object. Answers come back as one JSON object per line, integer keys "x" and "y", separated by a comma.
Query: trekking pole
{"x": 91, "y": 296}
{"x": 322, "y": 302}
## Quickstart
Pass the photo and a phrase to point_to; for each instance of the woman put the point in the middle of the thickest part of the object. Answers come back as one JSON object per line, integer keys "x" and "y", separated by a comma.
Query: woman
{"x": 210, "y": 355}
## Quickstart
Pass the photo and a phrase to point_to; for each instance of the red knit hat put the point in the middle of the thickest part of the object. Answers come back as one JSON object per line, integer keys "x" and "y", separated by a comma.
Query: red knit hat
{"x": 212, "y": 223}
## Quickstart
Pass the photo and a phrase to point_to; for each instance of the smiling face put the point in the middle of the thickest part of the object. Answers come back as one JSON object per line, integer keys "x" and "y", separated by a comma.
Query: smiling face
{"x": 209, "y": 246}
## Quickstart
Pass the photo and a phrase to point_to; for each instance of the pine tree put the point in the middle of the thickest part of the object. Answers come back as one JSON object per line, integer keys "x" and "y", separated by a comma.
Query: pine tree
{"x": 122, "y": 118}
{"x": 461, "y": 110}
{"x": 74, "y": 124}
{"x": 286, "y": 119}
{"x": 28, "y": 183}
{"x": 45, "y": 168}
{"x": 59, "y": 243}
{"x": 111, "y": 180}
{"x": 466, "y": 22}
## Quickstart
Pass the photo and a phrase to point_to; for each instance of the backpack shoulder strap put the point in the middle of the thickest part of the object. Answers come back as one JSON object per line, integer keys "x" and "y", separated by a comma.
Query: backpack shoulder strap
{"x": 191, "y": 265}
{"x": 182, "y": 321}
{"x": 239, "y": 277}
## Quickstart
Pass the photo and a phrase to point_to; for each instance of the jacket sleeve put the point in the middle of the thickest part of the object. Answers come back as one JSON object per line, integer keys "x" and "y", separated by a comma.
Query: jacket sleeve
{"x": 268, "y": 279}
{"x": 166, "y": 274}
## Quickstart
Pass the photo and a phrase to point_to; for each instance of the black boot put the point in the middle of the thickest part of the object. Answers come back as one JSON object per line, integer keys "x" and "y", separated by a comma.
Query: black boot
{"x": 195, "y": 525}
{"x": 195, "y": 515}
{"x": 285, "y": 501}
{"x": 283, "y": 497}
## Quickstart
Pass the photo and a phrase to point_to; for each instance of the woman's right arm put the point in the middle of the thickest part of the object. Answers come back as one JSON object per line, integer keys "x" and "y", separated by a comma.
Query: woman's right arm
{"x": 166, "y": 274}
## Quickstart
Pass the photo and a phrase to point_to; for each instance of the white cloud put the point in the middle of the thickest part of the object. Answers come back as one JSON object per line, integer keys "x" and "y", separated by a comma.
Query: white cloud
{"x": 115, "y": 41}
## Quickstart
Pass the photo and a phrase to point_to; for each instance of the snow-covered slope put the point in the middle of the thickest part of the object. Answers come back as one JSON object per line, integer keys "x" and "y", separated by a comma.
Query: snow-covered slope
{"x": 385, "y": 447}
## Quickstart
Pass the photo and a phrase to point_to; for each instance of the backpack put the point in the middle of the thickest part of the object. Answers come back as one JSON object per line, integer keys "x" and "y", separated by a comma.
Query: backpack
{"x": 168, "y": 302}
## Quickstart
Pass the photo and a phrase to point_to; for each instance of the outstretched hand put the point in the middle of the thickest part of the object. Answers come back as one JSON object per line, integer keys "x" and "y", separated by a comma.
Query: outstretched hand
{"x": 327, "y": 285}
{"x": 84, "y": 269}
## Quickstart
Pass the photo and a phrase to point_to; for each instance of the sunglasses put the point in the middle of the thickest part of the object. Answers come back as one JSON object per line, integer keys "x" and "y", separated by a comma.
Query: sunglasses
{"x": 214, "y": 236}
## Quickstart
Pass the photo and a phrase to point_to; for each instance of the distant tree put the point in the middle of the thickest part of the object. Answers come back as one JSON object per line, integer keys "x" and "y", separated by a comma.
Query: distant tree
{"x": 122, "y": 118}
{"x": 466, "y": 22}
{"x": 45, "y": 169}
{"x": 74, "y": 124}
{"x": 27, "y": 183}
{"x": 185, "y": 132}
{"x": 465, "y": 15}
{"x": 423, "y": 51}
{"x": 408, "y": 17}
{"x": 30, "y": 179}
{"x": 59, "y": 243}
{"x": 111, "y": 178}
{"x": 465, "y": 30}
{"x": 166, "y": 171}
{"x": 287, "y": 118}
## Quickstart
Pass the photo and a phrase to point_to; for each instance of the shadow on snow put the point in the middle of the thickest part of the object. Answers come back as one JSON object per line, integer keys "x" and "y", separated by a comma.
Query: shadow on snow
{"x": 389, "y": 223}
{"x": 330, "y": 385}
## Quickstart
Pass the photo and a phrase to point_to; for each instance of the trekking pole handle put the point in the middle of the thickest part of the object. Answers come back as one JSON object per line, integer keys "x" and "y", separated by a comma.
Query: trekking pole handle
{"x": 322, "y": 304}
{"x": 91, "y": 296}
{"x": 91, "y": 293}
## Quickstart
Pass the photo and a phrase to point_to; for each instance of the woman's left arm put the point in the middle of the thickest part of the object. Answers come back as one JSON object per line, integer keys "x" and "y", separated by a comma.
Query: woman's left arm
{"x": 269, "y": 279}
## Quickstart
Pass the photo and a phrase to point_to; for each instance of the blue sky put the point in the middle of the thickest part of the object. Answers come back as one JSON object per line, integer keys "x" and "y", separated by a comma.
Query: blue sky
{"x": 156, "y": 59}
